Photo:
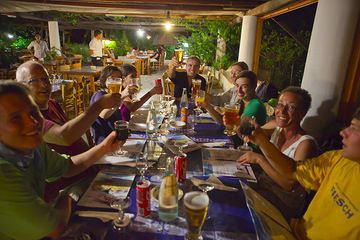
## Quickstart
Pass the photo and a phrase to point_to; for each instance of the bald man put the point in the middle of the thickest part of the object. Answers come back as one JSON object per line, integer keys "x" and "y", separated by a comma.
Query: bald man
{"x": 62, "y": 135}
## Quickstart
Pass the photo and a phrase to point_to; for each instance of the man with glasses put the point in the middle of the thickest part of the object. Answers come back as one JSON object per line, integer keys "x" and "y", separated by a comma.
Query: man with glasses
{"x": 184, "y": 79}
{"x": 334, "y": 211}
{"x": 63, "y": 135}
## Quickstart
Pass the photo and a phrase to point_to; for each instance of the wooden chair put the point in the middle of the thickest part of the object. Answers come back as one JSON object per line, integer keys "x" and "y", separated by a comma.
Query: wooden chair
{"x": 168, "y": 85}
{"x": 81, "y": 94}
{"x": 137, "y": 65}
{"x": 68, "y": 99}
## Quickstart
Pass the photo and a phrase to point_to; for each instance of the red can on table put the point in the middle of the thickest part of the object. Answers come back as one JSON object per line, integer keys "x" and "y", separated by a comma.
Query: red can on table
{"x": 158, "y": 81}
{"x": 143, "y": 198}
{"x": 180, "y": 167}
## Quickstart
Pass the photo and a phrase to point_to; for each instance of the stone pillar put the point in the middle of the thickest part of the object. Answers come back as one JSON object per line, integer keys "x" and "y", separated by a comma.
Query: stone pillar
{"x": 327, "y": 60}
{"x": 247, "y": 40}
{"x": 54, "y": 36}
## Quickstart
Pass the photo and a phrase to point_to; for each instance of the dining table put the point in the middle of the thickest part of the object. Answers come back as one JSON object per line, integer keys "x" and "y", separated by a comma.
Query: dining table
{"x": 231, "y": 215}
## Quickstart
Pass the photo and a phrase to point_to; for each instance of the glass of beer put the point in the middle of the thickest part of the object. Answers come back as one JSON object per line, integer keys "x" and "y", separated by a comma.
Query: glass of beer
{"x": 232, "y": 118}
{"x": 179, "y": 55}
{"x": 196, "y": 207}
{"x": 122, "y": 133}
{"x": 136, "y": 83}
{"x": 114, "y": 85}
{"x": 196, "y": 85}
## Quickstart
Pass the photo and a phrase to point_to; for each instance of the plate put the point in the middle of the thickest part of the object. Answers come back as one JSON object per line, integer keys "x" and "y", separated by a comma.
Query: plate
{"x": 155, "y": 193}
{"x": 177, "y": 124}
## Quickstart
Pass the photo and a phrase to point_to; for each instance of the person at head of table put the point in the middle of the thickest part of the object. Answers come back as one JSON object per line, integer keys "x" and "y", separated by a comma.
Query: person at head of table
{"x": 158, "y": 52}
{"x": 27, "y": 163}
{"x": 96, "y": 48}
{"x": 184, "y": 79}
{"x": 105, "y": 122}
{"x": 62, "y": 135}
{"x": 287, "y": 135}
{"x": 40, "y": 48}
{"x": 134, "y": 51}
{"x": 250, "y": 104}
{"x": 222, "y": 98}
{"x": 334, "y": 175}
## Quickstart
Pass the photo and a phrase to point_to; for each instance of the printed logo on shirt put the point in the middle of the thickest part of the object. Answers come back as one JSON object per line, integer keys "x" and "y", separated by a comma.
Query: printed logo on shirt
{"x": 342, "y": 201}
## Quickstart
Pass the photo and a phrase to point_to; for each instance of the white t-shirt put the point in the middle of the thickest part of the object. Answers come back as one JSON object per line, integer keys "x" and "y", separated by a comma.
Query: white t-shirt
{"x": 97, "y": 46}
{"x": 40, "y": 49}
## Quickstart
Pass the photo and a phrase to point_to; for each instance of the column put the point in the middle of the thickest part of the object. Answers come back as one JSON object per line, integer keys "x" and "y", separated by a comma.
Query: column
{"x": 327, "y": 60}
{"x": 247, "y": 40}
{"x": 54, "y": 36}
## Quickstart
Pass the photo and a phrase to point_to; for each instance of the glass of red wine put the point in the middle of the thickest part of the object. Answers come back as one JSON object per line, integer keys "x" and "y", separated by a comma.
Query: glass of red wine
{"x": 122, "y": 133}
{"x": 247, "y": 125}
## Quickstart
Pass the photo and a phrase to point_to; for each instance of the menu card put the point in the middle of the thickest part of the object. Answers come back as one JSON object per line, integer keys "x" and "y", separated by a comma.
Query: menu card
{"x": 108, "y": 185}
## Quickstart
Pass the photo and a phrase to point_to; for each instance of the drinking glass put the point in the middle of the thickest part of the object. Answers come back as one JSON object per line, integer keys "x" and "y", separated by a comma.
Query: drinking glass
{"x": 196, "y": 85}
{"x": 232, "y": 118}
{"x": 136, "y": 82}
{"x": 122, "y": 133}
{"x": 179, "y": 55}
{"x": 142, "y": 165}
{"x": 206, "y": 187}
{"x": 121, "y": 220}
{"x": 247, "y": 125}
{"x": 199, "y": 99}
{"x": 114, "y": 85}
{"x": 196, "y": 206}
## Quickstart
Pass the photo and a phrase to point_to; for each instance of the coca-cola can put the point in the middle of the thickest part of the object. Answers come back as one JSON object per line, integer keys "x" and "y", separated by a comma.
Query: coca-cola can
{"x": 158, "y": 81}
{"x": 143, "y": 198}
{"x": 180, "y": 167}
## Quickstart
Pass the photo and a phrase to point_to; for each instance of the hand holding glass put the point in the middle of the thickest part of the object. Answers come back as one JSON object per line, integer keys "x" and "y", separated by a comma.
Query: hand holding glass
{"x": 247, "y": 125}
{"x": 122, "y": 133}
{"x": 136, "y": 83}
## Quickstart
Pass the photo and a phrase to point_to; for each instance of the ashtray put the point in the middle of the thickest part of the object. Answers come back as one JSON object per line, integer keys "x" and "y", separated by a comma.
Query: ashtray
{"x": 154, "y": 193}
{"x": 177, "y": 124}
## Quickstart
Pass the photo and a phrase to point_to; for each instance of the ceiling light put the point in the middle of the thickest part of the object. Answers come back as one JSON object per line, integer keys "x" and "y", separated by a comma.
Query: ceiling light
{"x": 9, "y": 35}
{"x": 148, "y": 37}
{"x": 140, "y": 32}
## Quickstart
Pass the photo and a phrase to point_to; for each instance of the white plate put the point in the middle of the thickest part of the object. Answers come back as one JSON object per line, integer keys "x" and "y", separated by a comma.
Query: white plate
{"x": 177, "y": 124}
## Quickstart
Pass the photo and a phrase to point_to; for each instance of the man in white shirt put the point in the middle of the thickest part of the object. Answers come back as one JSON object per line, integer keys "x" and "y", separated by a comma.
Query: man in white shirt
{"x": 40, "y": 48}
{"x": 96, "y": 49}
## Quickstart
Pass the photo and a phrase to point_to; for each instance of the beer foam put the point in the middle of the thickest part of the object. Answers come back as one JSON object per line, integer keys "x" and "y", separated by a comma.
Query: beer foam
{"x": 196, "y": 200}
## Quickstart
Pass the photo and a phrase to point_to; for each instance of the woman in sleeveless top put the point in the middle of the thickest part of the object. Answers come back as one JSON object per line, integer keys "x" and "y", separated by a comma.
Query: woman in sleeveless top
{"x": 288, "y": 136}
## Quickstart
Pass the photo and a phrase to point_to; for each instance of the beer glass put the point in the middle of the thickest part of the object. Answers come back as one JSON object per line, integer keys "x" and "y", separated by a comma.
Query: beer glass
{"x": 122, "y": 133}
{"x": 179, "y": 55}
{"x": 196, "y": 207}
{"x": 114, "y": 85}
{"x": 136, "y": 82}
{"x": 232, "y": 118}
{"x": 196, "y": 85}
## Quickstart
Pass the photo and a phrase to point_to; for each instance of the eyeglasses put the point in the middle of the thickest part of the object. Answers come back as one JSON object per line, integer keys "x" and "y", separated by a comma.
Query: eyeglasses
{"x": 288, "y": 108}
{"x": 38, "y": 81}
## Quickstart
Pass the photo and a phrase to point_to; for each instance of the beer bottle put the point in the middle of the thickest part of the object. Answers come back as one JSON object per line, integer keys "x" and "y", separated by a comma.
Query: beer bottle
{"x": 168, "y": 194}
{"x": 184, "y": 106}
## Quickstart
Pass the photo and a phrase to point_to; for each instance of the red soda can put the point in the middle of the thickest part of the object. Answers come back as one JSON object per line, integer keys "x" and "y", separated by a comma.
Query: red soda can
{"x": 158, "y": 81}
{"x": 143, "y": 198}
{"x": 180, "y": 167}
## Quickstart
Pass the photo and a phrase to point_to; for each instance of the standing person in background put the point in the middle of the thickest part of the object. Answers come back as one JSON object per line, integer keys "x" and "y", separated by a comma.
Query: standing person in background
{"x": 184, "y": 79}
{"x": 96, "y": 48}
{"x": 40, "y": 48}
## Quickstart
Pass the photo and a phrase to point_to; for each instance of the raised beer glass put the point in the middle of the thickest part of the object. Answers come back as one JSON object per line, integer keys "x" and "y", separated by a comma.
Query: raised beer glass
{"x": 114, "y": 85}
{"x": 232, "y": 118}
{"x": 196, "y": 85}
{"x": 122, "y": 133}
{"x": 196, "y": 207}
{"x": 136, "y": 83}
{"x": 179, "y": 55}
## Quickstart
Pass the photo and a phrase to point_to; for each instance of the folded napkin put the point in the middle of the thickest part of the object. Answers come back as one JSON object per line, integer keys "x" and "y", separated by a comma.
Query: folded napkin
{"x": 213, "y": 144}
{"x": 103, "y": 216}
{"x": 215, "y": 182}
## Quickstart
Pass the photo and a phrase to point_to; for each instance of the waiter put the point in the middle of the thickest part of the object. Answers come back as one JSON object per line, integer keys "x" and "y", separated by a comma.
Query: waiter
{"x": 96, "y": 49}
{"x": 40, "y": 48}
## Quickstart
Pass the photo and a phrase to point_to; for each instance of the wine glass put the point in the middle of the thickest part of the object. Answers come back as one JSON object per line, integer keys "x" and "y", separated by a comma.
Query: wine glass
{"x": 206, "y": 187}
{"x": 246, "y": 128}
{"x": 121, "y": 221}
{"x": 135, "y": 82}
{"x": 142, "y": 165}
{"x": 122, "y": 133}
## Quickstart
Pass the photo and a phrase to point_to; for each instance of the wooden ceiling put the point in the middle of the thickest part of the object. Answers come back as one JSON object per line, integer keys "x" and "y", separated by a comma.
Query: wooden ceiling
{"x": 150, "y": 13}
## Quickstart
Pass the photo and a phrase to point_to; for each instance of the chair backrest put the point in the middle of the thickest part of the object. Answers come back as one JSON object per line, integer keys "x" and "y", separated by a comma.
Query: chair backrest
{"x": 68, "y": 99}
{"x": 137, "y": 65}
{"x": 168, "y": 85}
{"x": 80, "y": 93}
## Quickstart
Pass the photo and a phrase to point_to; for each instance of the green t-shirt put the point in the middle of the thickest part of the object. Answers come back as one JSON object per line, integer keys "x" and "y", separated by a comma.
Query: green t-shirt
{"x": 23, "y": 212}
{"x": 257, "y": 109}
